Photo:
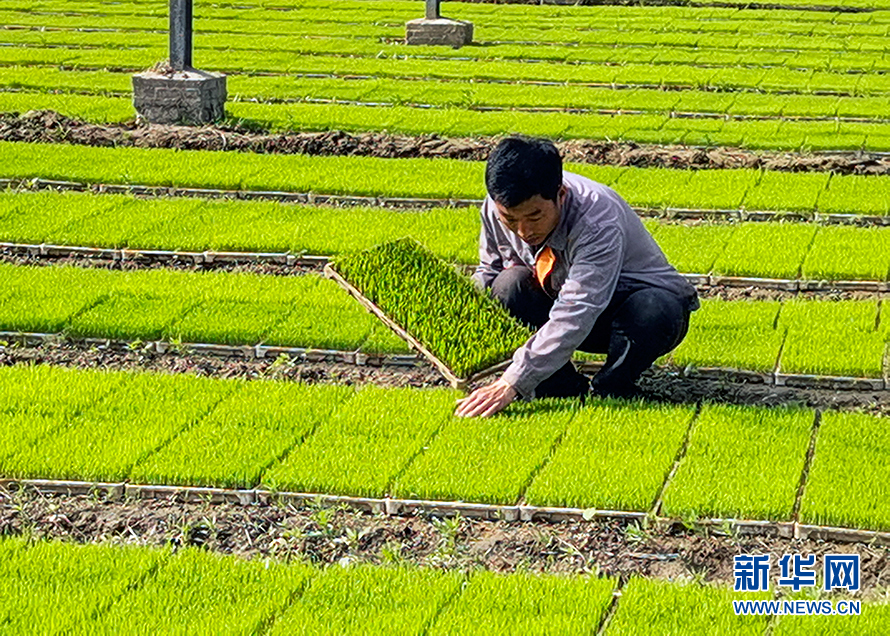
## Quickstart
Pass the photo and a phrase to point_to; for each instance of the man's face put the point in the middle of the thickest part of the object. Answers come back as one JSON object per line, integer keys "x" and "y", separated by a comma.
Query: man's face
{"x": 534, "y": 218}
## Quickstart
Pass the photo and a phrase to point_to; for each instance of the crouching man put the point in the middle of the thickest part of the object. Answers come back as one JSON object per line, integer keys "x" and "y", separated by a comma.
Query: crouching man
{"x": 570, "y": 258}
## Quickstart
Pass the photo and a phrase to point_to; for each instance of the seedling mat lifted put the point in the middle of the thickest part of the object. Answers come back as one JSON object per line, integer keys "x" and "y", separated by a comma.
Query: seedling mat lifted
{"x": 456, "y": 382}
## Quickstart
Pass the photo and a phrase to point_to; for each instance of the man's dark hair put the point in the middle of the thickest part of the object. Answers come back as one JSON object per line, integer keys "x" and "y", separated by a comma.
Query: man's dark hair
{"x": 521, "y": 167}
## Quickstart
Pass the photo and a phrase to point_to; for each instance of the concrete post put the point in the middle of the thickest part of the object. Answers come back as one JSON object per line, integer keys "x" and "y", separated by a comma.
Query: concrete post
{"x": 181, "y": 34}
{"x": 434, "y": 29}
{"x": 177, "y": 93}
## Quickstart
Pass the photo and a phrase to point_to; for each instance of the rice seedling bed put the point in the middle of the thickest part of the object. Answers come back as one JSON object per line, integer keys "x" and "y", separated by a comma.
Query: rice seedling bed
{"x": 368, "y": 176}
{"x": 527, "y": 603}
{"x": 846, "y": 482}
{"x": 674, "y": 609}
{"x": 742, "y": 463}
{"x": 504, "y": 457}
{"x": 462, "y": 330}
{"x": 365, "y": 445}
{"x": 48, "y": 587}
{"x": 642, "y": 439}
{"x": 197, "y": 591}
{"x": 816, "y": 329}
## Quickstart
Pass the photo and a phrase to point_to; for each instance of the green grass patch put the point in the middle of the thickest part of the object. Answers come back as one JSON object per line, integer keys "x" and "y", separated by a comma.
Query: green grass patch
{"x": 741, "y": 462}
{"x": 614, "y": 456}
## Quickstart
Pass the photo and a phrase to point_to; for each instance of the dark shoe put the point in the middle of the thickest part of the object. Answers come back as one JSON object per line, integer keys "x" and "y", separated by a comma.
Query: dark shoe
{"x": 567, "y": 382}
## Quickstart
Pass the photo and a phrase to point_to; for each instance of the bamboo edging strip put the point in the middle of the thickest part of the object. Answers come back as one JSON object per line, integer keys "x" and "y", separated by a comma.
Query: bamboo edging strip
{"x": 390, "y": 506}
{"x": 444, "y": 369}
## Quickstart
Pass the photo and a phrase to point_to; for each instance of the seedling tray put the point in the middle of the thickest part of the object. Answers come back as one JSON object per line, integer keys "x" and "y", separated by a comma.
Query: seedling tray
{"x": 456, "y": 382}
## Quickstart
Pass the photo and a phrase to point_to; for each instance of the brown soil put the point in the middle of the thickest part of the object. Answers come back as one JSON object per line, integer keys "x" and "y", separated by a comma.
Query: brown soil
{"x": 326, "y": 535}
{"x": 51, "y": 127}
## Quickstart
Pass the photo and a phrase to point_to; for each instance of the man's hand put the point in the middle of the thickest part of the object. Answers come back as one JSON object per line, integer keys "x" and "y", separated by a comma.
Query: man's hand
{"x": 486, "y": 401}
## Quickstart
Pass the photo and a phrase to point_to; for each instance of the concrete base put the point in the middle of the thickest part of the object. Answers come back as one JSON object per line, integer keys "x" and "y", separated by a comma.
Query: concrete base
{"x": 439, "y": 31}
{"x": 182, "y": 97}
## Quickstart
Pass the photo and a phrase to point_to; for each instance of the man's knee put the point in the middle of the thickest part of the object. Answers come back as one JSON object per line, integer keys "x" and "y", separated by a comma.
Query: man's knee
{"x": 655, "y": 316}
{"x": 512, "y": 285}
{"x": 520, "y": 293}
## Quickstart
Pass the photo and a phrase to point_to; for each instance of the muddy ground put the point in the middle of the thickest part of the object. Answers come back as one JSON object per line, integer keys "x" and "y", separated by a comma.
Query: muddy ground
{"x": 51, "y": 127}
{"x": 324, "y": 535}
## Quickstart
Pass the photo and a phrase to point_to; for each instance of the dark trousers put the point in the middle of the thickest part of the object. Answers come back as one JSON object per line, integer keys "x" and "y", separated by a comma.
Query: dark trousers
{"x": 637, "y": 327}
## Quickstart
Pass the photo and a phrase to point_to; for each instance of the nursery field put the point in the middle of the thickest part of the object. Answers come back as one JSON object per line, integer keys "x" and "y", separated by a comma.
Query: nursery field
{"x": 785, "y": 79}
{"x": 715, "y": 461}
{"x": 101, "y": 588}
{"x": 767, "y": 182}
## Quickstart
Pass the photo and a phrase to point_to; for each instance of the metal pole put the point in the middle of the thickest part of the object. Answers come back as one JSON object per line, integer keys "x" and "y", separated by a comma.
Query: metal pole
{"x": 432, "y": 9}
{"x": 181, "y": 34}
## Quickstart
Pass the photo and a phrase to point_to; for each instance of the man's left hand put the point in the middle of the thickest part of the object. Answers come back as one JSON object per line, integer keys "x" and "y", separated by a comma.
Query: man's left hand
{"x": 486, "y": 401}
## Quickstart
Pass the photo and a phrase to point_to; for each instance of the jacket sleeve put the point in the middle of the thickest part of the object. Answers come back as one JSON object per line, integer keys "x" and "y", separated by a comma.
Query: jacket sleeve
{"x": 596, "y": 255}
{"x": 490, "y": 262}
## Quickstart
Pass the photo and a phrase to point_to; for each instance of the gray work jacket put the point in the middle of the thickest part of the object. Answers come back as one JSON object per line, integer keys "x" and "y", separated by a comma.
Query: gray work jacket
{"x": 601, "y": 246}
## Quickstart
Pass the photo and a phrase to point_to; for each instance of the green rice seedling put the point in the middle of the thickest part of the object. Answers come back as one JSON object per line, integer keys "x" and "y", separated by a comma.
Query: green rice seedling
{"x": 132, "y": 222}
{"x": 227, "y": 321}
{"x": 652, "y": 187}
{"x": 866, "y": 107}
{"x": 642, "y": 439}
{"x": 848, "y": 253}
{"x": 49, "y": 587}
{"x": 202, "y": 592}
{"x": 383, "y": 340}
{"x": 722, "y": 189}
{"x": 856, "y": 194}
{"x": 49, "y": 390}
{"x": 325, "y": 317}
{"x": 671, "y": 609}
{"x": 365, "y": 599}
{"x": 43, "y": 299}
{"x": 766, "y": 250}
{"x": 741, "y": 462}
{"x": 108, "y": 439}
{"x": 717, "y": 328}
{"x": 40, "y": 217}
{"x": 692, "y": 248}
{"x": 364, "y": 445}
{"x": 832, "y": 338}
{"x": 786, "y": 191}
{"x": 93, "y": 108}
{"x": 501, "y": 470}
{"x": 130, "y": 316}
{"x": 526, "y": 603}
{"x": 850, "y": 471}
{"x": 243, "y": 435}
{"x": 466, "y": 329}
